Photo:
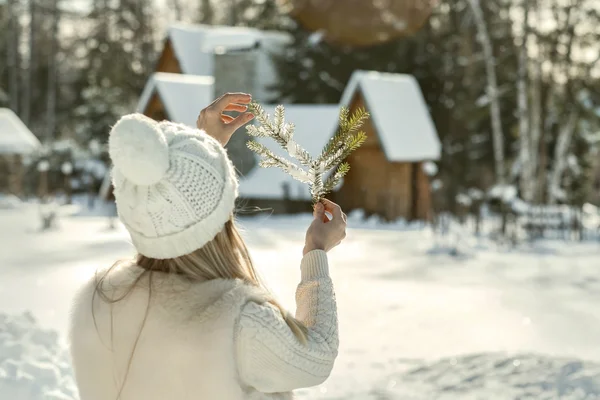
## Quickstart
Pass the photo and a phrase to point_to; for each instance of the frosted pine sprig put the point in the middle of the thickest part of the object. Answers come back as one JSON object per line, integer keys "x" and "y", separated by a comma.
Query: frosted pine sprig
{"x": 346, "y": 139}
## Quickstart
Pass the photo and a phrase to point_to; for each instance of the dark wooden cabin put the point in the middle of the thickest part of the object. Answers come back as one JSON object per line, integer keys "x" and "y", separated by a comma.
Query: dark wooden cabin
{"x": 387, "y": 177}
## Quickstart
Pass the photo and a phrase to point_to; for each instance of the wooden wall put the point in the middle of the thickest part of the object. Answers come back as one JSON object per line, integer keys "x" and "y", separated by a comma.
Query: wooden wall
{"x": 168, "y": 61}
{"x": 155, "y": 109}
{"x": 389, "y": 189}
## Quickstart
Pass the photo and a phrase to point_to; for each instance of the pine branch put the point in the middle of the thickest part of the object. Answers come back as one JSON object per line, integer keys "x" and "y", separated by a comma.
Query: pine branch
{"x": 353, "y": 143}
{"x": 347, "y": 139}
{"x": 279, "y": 118}
{"x": 346, "y": 126}
{"x": 255, "y": 131}
{"x": 316, "y": 189}
{"x": 270, "y": 159}
{"x": 281, "y": 132}
{"x": 335, "y": 178}
{"x": 357, "y": 120}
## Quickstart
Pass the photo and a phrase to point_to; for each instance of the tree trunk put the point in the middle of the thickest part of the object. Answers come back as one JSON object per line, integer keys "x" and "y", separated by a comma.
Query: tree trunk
{"x": 232, "y": 12}
{"x": 176, "y": 5}
{"x": 13, "y": 55}
{"x": 26, "y": 112}
{"x": 492, "y": 89}
{"x": 207, "y": 14}
{"x": 536, "y": 121}
{"x": 146, "y": 37}
{"x": 52, "y": 74}
{"x": 561, "y": 151}
{"x": 523, "y": 102}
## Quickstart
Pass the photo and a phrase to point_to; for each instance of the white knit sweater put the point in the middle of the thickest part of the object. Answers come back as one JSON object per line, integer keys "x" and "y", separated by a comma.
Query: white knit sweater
{"x": 202, "y": 340}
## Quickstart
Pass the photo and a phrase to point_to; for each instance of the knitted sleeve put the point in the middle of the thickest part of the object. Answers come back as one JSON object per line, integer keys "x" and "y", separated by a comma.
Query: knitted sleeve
{"x": 270, "y": 359}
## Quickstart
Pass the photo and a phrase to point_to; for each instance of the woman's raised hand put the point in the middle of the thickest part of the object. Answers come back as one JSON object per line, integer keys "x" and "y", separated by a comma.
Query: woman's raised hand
{"x": 325, "y": 233}
{"x": 222, "y": 126}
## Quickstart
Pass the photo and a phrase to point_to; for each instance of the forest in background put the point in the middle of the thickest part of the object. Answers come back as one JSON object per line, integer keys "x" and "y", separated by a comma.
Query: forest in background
{"x": 513, "y": 85}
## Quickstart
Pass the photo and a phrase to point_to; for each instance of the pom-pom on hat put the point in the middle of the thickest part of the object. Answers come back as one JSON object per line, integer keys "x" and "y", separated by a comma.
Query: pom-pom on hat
{"x": 140, "y": 149}
{"x": 175, "y": 186}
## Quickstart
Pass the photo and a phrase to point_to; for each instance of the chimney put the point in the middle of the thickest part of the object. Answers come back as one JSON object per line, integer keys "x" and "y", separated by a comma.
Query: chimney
{"x": 235, "y": 71}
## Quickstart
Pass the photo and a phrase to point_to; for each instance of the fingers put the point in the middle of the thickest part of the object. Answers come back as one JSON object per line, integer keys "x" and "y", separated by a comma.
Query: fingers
{"x": 226, "y": 118}
{"x": 319, "y": 212}
{"x": 334, "y": 209}
{"x": 235, "y": 107}
{"x": 240, "y": 121}
{"x": 222, "y": 102}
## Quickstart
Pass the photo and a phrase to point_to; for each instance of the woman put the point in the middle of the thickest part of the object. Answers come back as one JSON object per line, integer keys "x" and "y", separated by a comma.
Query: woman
{"x": 189, "y": 318}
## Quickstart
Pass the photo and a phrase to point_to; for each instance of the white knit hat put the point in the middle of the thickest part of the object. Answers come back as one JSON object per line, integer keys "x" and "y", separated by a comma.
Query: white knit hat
{"x": 175, "y": 186}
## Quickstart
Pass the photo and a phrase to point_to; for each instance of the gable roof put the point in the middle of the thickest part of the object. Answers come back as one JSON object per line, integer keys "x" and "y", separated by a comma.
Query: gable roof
{"x": 15, "y": 137}
{"x": 183, "y": 96}
{"x": 195, "y": 45}
{"x": 399, "y": 113}
{"x": 313, "y": 124}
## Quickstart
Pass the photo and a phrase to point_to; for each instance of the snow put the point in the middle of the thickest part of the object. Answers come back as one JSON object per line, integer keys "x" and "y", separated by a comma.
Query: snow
{"x": 399, "y": 114}
{"x": 475, "y": 194}
{"x": 464, "y": 200}
{"x": 415, "y": 323}
{"x": 9, "y": 202}
{"x": 430, "y": 168}
{"x": 33, "y": 364}
{"x": 436, "y": 185}
{"x": 313, "y": 123}
{"x": 183, "y": 96}
{"x": 15, "y": 137}
{"x": 505, "y": 192}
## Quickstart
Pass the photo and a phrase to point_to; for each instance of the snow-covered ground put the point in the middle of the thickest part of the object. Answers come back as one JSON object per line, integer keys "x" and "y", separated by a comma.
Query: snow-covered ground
{"x": 416, "y": 322}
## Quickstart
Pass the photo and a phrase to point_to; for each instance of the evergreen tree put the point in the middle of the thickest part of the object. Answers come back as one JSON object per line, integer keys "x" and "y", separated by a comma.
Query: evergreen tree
{"x": 118, "y": 56}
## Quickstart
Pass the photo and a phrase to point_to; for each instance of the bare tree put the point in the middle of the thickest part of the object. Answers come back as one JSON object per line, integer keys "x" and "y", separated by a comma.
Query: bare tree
{"x": 565, "y": 67}
{"x": 207, "y": 12}
{"x": 232, "y": 12}
{"x": 13, "y": 59}
{"x": 145, "y": 32}
{"x": 532, "y": 174}
{"x": 523, "y": 102}
{"x": 492, "y": 89}
{"x": 563, "y": 143}
{"x": 31, "y": 68}
{"x": 52, "y": 73}
{"x": 176, "y": 5}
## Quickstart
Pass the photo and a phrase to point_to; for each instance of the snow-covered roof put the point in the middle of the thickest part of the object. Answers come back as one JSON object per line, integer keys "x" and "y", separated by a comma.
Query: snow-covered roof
{"x": 195, "y": 45}
{"x": 183, "y": 96}
{"x": 313, "y": 126}
{"x": 15, "y": 137}
{"x": 399, "y": 113}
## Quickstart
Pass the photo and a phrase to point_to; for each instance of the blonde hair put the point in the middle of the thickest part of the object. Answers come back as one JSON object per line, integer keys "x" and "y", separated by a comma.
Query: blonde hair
{"x": 225, "y": 257}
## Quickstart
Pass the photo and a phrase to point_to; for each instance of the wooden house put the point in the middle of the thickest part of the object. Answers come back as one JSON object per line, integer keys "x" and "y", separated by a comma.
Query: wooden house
{"x": 387, "y": 177}
{"x": 16, "y": 141}
{"x": 212, "y": 50}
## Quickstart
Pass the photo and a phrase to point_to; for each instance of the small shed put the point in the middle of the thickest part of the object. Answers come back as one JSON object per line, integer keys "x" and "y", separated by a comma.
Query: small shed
{"x": 195, "y": 50}
{"x": 16, "y": 141}
{"x": 387, "y": 177}
{"x": 272, "y": 188}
